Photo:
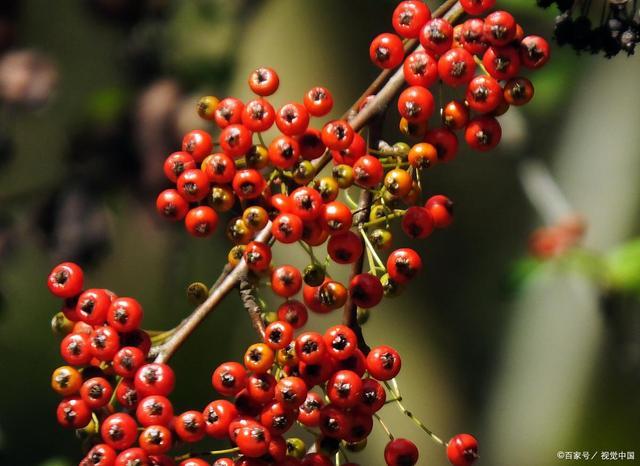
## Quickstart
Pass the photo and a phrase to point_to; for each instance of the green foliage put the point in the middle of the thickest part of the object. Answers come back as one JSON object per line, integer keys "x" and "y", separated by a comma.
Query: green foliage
{"x": 623, "y": 267}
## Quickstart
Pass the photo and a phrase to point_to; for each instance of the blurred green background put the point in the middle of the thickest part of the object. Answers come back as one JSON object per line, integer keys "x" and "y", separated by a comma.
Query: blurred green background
{"x": 529, "y": 357}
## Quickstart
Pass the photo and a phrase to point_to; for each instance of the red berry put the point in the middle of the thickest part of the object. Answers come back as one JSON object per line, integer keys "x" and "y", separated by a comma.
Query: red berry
{"x": 281, "y": 203}
{"x": 294, "y": 313}
{"x": 253, "y": 441}
{"x": 248, "y": 183}
{"x": 441, "y": 209}
{"x": 345, "y": 247}
{"x": 66, "y": 280}
{"x": 154, "y": 379}
{"x": 132, "y": 456}
{"x": 96, "y": 392}
{"x": 228, "y": 112}
{"x": 278, "y": 334}
{"x": 198, "y": 143}
{"x": 219, "y": 168}
{"x": 286, "y": 281}
{"x": 104, "y": 343}
{"x": 176, "y": 163}
{"x": 483, "y": 133}
{"x": 455, "y": 115}
{"x": 386, "y": 51}
{"x": 125, "y": 314}
{"x": 484, "y": 94}
{"x": 73, "y": 413}
{"x": 75, "y": 349}
{"x": 201, "y": 221}
{"x": 126, "y": 394}
{"x": 409, "y": 17}
{"x": 403, "y": 264}
{"x": 477, "y": 7}
{"x": 235, "y": 140}
{"x": 372, "y": 397}
{"x": 472, "y": 36}
{"x": 309, "y": 411}
{"x": 100, "y": 455}
{"x": 261, "y": 388}
{"x": 383, "y": 363}
{"x": 306, "y": 203}
{"x": 348, "y": 156}
{"x": 310, "y": 143}
{"x": 171, "y": 205}
{"x": 416, "y": 104}
{"x": 190, "y": 426}
{"x": 119, "y": 431}
{"x": 193, "y": 185}
{"x": 277, "y": 417}
{"x": 229, "y": 378}
{"x": 310, "y": 347}
{"x": 337, "y": 135}
{"x": 218, "y": 415}
{"x": 437, "y": 36}
{"x": 334, "y": 422}
{"x": 366, "y": 290}
{"x": 287, "y": 228}
{"x": 417, "y": 222}
{"x": 258, "y": 115}
{"x": 154, "y": 410}
{"x": 368, "y": 171}
{"x": 264, "y": 81}
{"x": 291, "y": 391}
{"x": 499, "y": 28}
{"x": 445, "y": 142}
{"x": 156, "y": 440}
{"x": 257, "y": 255}
{"x": 340, "y": 341}
{"x": 292, "y": 119}
{"x": 501, "y": 62}
{"x": 344, "y": 389}
{"x": 534, "y": 52}
{"x": 318, "y": 101}
{"x": 462, "y": 450}
{"x": 518, "y": 91}
{"x": 335, "y": 217}
{"x": 284, "y": 152}
{"x": 420, "y": 69}
{"x": 456, "y": 67}
{"x": 92, "y": 306}
{"x": 401, "y": 452}
{"x": 313, "y": 233}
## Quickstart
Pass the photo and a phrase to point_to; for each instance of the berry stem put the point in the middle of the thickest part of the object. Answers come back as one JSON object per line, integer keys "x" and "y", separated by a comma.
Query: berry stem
{"x": 372, "y": 250}
{"x": 396, "y": 213}
{"x": 384, "y": 426}
{"x": 247, "y": 295}
{"x": 226, "y": 451}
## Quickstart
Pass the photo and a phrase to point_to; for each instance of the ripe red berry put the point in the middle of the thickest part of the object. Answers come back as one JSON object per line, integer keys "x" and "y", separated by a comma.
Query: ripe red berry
{"x": 193, "y": 185}
{"x": 318, "y": 101}
{"x": 311, "y": 145}
{"x": 100, "y": 455}
{"x": 409, "y": 17}
{"x": 372, "y": 396}
{"x": 286, "y": 281}
{"x": 218, "y": 415}
{"x": 219, "y": 168}
{"x": 73, "y": 413}
{"x": 462, "y": 450}
{"x": 310, "y": 347}
{"x": 198, "y": 143}
{"x": 472, "y": 36}
{"x": 201, "y": 221}
{"x": 340, "y": 341}
{"x": 445, "y": 142}
{"x": 366, "y": 290}
{"x": 420, "y": 69}
{"x": 401, "y": 452}
{"x": 277, "y": 417}
{"x": 190, "y": 426}
{"x": 416, "y": 104}
{"x": 477, "y": 7}
{"x": 248, "y": 183}
{"x": 96, "y": 392}
{"x": 484, "y": 94}
{"x": 253, "y": 441}
{"x": 292, "y": 119}
{"x": 441, "y": 209}
{"x": 93, "y": 305}
{"x": 403, "y": 264}
{"x": 126, "y": 394}
{"x": 368, "y": 171}
{"x": 309, "y": 411}
{"x": 229, "y": 378}
{"x": 501, "y": 62}
{"x": 483, "y": 133}
{"x": 125, "y": 314}
{"x": 171, "y": 205}
{"x": 337, "y": 135}
{"x": 345, "y": 247}
{"x": 264, "y": 81}
{"x": 154, "y": 410}
{"x": 235, "y": 140}
{"x": 334, "y": 422}
{"x": 66, "y": 280}
{"x": 284, "y": 152}
{"x": 294, "y": 313}
{"x": 386, "y": 51}
{"x": 228, "y": 112}
{"x": 534, "y": 52}
{"x": 261, "y": 388}
{"x": 154, "y": 379}
{"x": 257, "y": 255}
{"x": 335, "y": 217}
{"x": 455, "y": 115}
{"x": 417, "y": 222}
{"x": 499, "y": 28}
{"x": 344, "y": 389}
{"x": 104, "y": 343}
{"x": 176, "y": 163}
{"x": 383, "y": 363}
{"x": 155, "y": 440}
{"x": 437, "y": 36}
{"x": 518, "y": 91}
{"x": 456, "y": 67}
{"x": 291, "y": 391}
{"x": 258, "y": 115}
{"x": 119, "y": 431}
{"x": 287, "y": 228}
{"x": 306, "y": 203}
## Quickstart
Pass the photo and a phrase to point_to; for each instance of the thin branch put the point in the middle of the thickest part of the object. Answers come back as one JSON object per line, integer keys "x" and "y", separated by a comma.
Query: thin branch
{"x": 252, "y": 306}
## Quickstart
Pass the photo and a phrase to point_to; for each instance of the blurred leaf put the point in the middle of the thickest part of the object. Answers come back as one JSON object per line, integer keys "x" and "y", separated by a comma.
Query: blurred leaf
{"x": 56, "y": 462}
{"x": 521, "y": 272}
{"x": 623, "y": 266}
{"x": 106, "y": 105}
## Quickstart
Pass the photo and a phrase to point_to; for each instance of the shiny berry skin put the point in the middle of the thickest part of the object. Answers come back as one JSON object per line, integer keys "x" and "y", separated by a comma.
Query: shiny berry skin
{"x": 499, "y": 28}
{"x": 171, "y": 205}
{"x": 248, "y": 183}
{"x": 383, "y": 363}
{"x": 287, "y": 228}
{"x": 156, "y": 440}
{"x": 292, "y": 119}
{"x": 104, "y": 343}
{"x": 372, "y": 396}
{"x": 198, "y": 143}
{"x": 401, "y": 452}
{"x": 218, "y": 415}
{"x": 255, "y": 217}
{"x": 518, "y": 91}
{"x": 422, "y": 155}
{"x": 462, "y": 450}
{"x": 126, "y": 394}
{"x": 294, "y": 313}
{"x": 66, "y": 280}
{"x": 368, "y": 171}
{"x": 337, "y": 135}
{"x": 264, "y": 81}
{"x": 73, "y": 413}
{"x": 100, "y": 455}
{"x": 309, "y": 411}
{"x": 219, "y": 168}
{"x": 318, "y": 101}
{"x": 437, "y": 36}
{"x": 445, "y": 142}
{"x": 278, "y": 334}
{"x": 306, "y": 203}
{"x": 472, "y": 36}
{"x": 253, "y": 441}
{"x": 477, "y": 7}
{"x": 398, "y": 182}
{"x": 284, "y": 152}
{"x": 403, "y": 264}
{"x": 66, "y": 380}
{"x": 348, "y": 156}
{"x": 286, "y": 281}
{"x": 340, "y": 341}
{"x": 176, "y": 163}
{"x": 222, "y": 462}
{"x": 313, "y": 233}
{"x": 420, "y": 69}
{"x": 277, "y": 417}
{"x": 92, "y": 306}
{"x": 130, "y": 456}
{"x": 201, "y": 221}
{"x": 483, "y": 133}
{"x": 258, "y": 115}
{"x": 344, "y": 389}
{"x": 417, "y": 222}
{"x": 258, "y": 358}
{"x": 456, "y": 67}
{"x": 335, "y": 217}
{"x": 235, "y": 140}
{"x": 257, "y": 255}
{"x": 366, "y": 290}
{"x": 501, "y": 62}
{"x": 416, "y": 104}
{"x": 119, "y": 431}
{"x": 229, "y": 378}
{"x": 310, "y": 347}
{"x": 193, "y": 462}
{"x": 291, "y": 392}
{"x": 228, "y": 112}
{"x": 125, "y": 314}
{"x": 190, "y": 426}
{"x": 154, "y": 410}
{"x": 261, "y": 388}
{"x": 386, "y": 51}
{"x": 441, "y": 209}
{"x": 96, "y": 392}
{"x": 534, "y": 52}
{"x": 316, "y": 459}
{"x": 334, "y": 422}
{"x": 484, "y": 94}
{"x": 154, "y": 379}
{"x": 455, "y": 115}
{"x": 345, "y": 247}
{"x": 193, "y": 185}
{"x": 310, "y": 143}
{"x": 409, "y": 17}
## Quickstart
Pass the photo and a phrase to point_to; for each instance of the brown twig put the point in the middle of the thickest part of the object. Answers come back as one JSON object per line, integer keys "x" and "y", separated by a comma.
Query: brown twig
{"x": 247, "y": 290}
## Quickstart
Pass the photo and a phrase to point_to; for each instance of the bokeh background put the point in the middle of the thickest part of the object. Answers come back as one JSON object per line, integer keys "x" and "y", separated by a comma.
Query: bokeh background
{"x": 530, "y": 356}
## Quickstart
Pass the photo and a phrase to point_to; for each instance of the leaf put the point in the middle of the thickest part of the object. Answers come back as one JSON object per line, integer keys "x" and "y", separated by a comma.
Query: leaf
{"x": 623, "y": 267}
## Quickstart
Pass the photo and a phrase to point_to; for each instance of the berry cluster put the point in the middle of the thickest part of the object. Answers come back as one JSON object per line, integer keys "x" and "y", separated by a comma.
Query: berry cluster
{"x": 617, "y": 29}
{"x": 495, "y": 44}
{"x": 332, "y": 384}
